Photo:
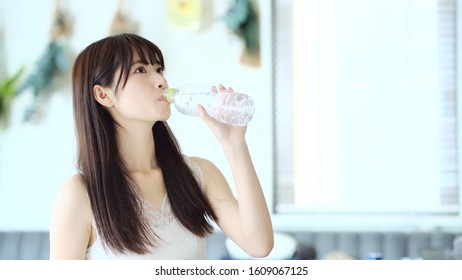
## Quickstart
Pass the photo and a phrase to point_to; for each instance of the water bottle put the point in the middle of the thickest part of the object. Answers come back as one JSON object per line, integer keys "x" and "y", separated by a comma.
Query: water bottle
{"x": 226, "y": 107}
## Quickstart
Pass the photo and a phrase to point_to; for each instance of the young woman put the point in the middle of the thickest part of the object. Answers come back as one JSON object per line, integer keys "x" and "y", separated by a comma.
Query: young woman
{"x": 135, "y": 195}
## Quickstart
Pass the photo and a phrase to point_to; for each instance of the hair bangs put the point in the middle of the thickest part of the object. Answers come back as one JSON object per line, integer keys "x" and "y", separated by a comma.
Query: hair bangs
{"x": 149, "y": 54}
{"x": 126, "y": 46}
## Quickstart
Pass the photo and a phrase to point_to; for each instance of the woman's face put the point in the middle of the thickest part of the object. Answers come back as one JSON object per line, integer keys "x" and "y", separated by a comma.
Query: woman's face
{"x": 142, "y": 97}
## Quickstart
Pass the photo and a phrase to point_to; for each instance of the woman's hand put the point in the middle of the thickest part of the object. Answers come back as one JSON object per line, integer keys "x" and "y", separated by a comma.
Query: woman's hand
{"x": 227, "y": 135}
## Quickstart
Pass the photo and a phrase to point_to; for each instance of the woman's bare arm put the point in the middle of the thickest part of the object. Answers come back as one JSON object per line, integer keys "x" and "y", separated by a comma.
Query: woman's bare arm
{"x": 70, "y": 229}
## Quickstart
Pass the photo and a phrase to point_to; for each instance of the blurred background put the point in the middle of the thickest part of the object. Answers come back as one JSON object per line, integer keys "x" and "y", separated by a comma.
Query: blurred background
{"x": 39, "y": 154}
{"x": 355, "y": 135}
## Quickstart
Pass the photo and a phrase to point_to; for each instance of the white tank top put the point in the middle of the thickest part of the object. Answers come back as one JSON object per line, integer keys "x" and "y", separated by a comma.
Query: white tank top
{"x": 174, "y": 240}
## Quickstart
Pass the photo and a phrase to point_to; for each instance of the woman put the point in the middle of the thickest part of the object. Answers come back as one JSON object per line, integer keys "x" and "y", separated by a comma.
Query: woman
{"x": 135, "y": 195}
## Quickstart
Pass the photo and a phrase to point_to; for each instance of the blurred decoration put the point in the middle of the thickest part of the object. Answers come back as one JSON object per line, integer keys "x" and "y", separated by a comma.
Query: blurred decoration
{"x": 457, "y": 248}
{"x": 242, "y": 19}
{"x": 189, "y": 15}
{"x": 2, "y": 53}
{"x": 7, "y": 92}
{"x": 121, "y": 23}
{"x": 51, "y": 64}
{"x": 7, "y": 84}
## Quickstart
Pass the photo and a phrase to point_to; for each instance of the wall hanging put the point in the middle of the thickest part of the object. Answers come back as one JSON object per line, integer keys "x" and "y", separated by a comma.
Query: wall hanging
{"x": 190, "y": 15}
{"x": 121, "y": 23}
{"x": 242, "y": 19}
{"x": 52, "y": 63}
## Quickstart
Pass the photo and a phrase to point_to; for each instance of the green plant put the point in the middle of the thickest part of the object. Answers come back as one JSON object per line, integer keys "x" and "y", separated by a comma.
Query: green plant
{"x": 7, "y": 92}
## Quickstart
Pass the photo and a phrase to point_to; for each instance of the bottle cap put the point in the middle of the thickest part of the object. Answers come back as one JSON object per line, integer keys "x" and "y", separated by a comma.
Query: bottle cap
{"x": 168, "y": 94}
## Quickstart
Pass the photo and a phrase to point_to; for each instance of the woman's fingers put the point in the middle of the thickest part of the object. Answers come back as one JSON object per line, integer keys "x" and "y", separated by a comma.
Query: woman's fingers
{"x": 205, "y": 116}
{"x": 222, "y": 88}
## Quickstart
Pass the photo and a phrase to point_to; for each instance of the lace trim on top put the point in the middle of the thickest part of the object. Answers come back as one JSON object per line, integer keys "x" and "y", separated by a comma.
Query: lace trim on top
{"x": 164, "y": 215}
{"x": 157, "y": 218}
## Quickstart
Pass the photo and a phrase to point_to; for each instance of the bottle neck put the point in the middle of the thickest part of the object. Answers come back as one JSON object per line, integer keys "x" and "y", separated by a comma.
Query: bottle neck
{"x": 170, "y": 94}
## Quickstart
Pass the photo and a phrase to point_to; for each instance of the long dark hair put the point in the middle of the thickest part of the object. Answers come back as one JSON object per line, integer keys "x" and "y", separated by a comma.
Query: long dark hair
{"x": 114, "y": 200}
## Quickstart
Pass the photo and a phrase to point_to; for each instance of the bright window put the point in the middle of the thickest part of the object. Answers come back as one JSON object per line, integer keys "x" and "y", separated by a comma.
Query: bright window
{"x": 366, "y": 107}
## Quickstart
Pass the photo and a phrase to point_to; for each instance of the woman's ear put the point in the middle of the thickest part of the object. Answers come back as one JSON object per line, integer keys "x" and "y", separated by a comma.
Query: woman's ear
{"x": 102, "y": 95}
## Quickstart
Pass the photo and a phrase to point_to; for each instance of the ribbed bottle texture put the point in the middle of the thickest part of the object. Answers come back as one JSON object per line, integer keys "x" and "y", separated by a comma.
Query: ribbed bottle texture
{"x": 226, "y": 107}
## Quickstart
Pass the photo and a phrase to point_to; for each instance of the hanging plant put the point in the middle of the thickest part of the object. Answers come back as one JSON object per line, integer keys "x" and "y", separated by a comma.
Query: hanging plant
{"x": 7, "y": 92}
{"x": 242, "y": 19}
{"x": 53, "y": 62}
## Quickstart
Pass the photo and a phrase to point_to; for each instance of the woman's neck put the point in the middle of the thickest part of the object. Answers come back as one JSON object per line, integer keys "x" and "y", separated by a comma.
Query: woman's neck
{"x": 137, "y": 148}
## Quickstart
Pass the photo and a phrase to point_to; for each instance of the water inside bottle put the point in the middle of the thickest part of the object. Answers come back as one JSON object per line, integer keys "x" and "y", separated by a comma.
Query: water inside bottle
{"x": 231, "y": 108}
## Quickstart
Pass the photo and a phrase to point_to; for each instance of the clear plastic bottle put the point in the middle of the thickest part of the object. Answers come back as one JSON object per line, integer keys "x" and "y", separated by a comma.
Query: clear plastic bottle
{"x": 226, "y": 107}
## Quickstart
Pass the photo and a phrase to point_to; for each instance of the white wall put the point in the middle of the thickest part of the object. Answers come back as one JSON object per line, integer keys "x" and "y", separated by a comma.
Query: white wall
{"x": 36, "y": 159}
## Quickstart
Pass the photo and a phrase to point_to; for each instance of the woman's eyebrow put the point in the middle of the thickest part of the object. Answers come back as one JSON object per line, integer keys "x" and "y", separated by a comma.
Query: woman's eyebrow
{"x": 141, "y": 62}
{"x": 137, "y": 62}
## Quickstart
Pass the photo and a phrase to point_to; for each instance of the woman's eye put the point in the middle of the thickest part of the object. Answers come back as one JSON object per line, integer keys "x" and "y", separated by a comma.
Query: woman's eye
{"x": 140, "y": 70}
{"x": 160, "y": 70}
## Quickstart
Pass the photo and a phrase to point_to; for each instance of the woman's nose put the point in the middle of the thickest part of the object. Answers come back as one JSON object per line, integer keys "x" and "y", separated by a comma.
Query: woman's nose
{"x": 161, "y": 83}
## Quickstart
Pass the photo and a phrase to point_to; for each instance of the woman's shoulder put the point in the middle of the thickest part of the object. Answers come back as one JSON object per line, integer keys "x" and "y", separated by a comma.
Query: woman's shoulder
{"x": 205, "y": 164}
{"x": 70, "y": 228}
{"x": 73, "y": 193}
{"x": 209, "y": 170}
{"x": 75, "y": 186}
